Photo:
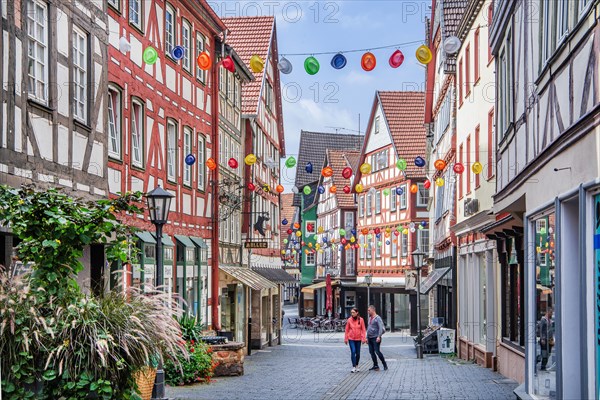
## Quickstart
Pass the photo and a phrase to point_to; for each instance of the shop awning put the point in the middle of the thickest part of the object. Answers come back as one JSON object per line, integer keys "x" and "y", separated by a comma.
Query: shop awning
{"x": 248, "y": 277}
{"x": 145, "y": 237}
{"x": 166, "y": 240}
{"x": 434, "y": 277}
{"x": 276, "y": 275}
{"x": 185, "y": 241}
{"x": 320, "y": 285}
{"x": 199, "y": 242}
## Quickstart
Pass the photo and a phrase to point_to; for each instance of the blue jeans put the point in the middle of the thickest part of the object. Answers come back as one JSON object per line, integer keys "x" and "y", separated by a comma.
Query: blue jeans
{"x": 354, "y": 352}
{"x": 374, "y": 350}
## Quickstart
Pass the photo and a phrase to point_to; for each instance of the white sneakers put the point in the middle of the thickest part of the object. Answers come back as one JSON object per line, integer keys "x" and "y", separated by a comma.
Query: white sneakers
{"x": 355, "y": 369}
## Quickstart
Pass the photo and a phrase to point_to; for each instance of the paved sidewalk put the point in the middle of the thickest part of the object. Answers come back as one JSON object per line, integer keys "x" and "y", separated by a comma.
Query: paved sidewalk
{"x": 317, "y": 366}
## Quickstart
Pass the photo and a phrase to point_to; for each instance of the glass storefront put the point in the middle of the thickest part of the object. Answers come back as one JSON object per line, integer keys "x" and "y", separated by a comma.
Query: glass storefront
{"x": 545, "y": 364}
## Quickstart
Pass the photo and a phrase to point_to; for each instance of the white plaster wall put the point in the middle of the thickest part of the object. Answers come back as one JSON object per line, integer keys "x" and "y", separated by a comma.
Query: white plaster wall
{"x": 96, "y": 166}
{"x": 79, "y": 142}
{"x": 136, "y": 50}
{"x": 18, "y": 57}
{"x": 171, "y": 81}
{"x": 62, "y": 27}
{"x": 114, "y": 33}
{"x": 62, "y": 73}
{"x": 41, "y": 128}
{"x": 383, "y": 138}
{"x": 63, "y": 151}
{"x": 114, "y": 180}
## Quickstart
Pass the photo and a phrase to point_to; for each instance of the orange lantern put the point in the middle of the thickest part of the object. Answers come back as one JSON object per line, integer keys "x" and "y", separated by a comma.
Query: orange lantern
{"x": 365, "y": 231}
{"x": 439, "y": 165}
{"x": 414, "y": 188}
{"x": 327, "y": 172}
{"x": 296, "y": 225}
{"x": 368, "y": 61}
{"x": 279, "y": 189}
{"x": 333, "y": 189}
{"x": 211, "y": 164}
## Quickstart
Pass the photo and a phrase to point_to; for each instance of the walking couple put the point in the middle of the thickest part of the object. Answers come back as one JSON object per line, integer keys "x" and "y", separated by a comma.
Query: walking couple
{"x": 357, "y": 333}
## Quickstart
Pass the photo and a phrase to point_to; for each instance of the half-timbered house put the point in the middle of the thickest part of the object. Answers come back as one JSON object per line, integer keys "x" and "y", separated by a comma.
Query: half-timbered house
{"x": 162, "y": 127}
{"x": 477, "y": 266}
{"x": 54, "y": 104}
{"x": 440, "y": 114}
{"x": 263, "y": 118}
{"x": 547, "y": 201}
{"x": 393, "y": 215}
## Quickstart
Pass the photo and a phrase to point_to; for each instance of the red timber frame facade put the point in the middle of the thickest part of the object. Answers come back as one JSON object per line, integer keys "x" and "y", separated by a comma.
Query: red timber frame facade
{"x": 164, "y": 111}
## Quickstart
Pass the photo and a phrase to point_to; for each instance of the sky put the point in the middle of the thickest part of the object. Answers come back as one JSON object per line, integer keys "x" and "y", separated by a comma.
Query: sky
{"x": 335, "y": 98}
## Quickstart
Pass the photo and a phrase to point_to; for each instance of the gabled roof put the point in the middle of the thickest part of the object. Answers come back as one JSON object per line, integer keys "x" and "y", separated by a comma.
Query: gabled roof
{"x": 338, "y": 160}
{"x": 403, "y": 112}
{"x": 313, "y": 146}
{"x": 453, "y": 14}
{"x": 250, "y": 36}
{"x": 257, "y": 36}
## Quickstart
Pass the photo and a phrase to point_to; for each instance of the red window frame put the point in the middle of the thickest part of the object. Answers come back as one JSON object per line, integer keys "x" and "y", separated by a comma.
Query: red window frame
{"x": 460, "y": 81}
{"x": 460, "y": 181}
{"x": 468, "y": 70}
{"x": 490, "y": 169}
{"x": 468, "y": 168}
{"x": 476, "y": 56}
{"x": 477, "y": 176}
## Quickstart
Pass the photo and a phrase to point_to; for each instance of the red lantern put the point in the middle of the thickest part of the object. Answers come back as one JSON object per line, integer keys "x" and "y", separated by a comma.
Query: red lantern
{"x": 302, "y": 243}
{"x": 458, "y": 168}
{"x": 228, "y": 64}
{"x": 347, "y": 172}
{"x": 377, "y": 231}
{"x": 251, "y": 186}
{"x": 396, "y": 233}
{"x": 344, "y": 241}
{"x": 347, "y": 189}
{"x": 289, "y": 231}
{"x": 427, "y": 184}
{"x": 232, "y": 163}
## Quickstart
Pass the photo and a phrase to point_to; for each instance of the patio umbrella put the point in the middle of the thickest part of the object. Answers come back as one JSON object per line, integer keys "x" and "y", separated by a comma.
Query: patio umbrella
{"x": 328, "y": 294}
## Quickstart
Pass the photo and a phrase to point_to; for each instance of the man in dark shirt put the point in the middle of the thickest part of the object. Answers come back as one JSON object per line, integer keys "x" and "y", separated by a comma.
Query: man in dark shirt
{"x": 546, "y": 337}
{"x": 374, "y": 332}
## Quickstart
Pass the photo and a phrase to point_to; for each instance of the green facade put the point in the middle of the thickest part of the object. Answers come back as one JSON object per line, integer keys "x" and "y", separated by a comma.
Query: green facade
{"x": 309, "y": 272}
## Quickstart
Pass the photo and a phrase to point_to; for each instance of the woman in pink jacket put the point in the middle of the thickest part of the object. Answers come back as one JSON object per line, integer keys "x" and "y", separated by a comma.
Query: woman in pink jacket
{"x": 356, "y": 334}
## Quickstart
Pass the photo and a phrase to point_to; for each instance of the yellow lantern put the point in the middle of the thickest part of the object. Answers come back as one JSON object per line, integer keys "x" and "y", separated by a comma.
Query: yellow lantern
{"x": 256, "y": 64}
{"x": 320, "y": 229}
{"x": 352, "y": 239}
{"x": 405, "y": 231}
{"x": 439, "y": 181}
{"x": 298, "y": 233}
{"x": 359, "y": 188}
{"x": 477, "y": 168}
{"x": 424, "y": 55}
{"x": 365, "y": 168}
{"x": 250, "y": 159}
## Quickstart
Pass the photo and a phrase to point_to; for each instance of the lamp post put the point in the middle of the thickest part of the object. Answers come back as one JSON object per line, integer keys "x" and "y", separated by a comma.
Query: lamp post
{"x": 159, "y": 203}
{"x": 368, "y": 281}
{"x": 417, "y": 256}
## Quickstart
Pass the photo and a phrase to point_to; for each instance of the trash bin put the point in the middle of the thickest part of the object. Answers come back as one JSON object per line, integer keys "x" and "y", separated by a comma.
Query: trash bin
{"x": 446, "y": 340}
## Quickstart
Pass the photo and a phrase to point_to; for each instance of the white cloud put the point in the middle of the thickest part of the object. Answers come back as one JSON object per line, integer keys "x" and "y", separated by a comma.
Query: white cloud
{"x": 358, "y": 77}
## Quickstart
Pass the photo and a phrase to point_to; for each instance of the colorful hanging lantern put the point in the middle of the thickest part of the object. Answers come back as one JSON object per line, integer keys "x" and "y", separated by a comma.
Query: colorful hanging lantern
{"x": 401, "y": 164}
{"x": 257, "y": 64}
{"x": 266, "y": 188}
{"x": 311, "y": 65}
{"x": 439, "y": 182}
{"x": 290, "y": 162}
{"x": 368, "y": 61}
{"x": 327, "y": 172}
{"x": 364, "y": 231}
{"x": 342, "y": 232}
{"x": 414, "y": 188}
{"x": 211, "y": 164}
{"x": 477, "y": 168}
{"x": 347, "y": 173}
{"x": 347, "y": 189}
{"x": 289, "y": 231}
{"x": 285, "y": 66}
{"x": 233, "y": 164}
{"x": 296, "y": 225}
{"x": 359, "y": 188}
{"x": 344, "y": 241}
{"x": 439, "y": 165}
{"x": 307, "y": 190}
{"x": 365, "y": 168}
{"x": 399, "y": 191}
{"x": 279, "y": 189}
{"x": 298, "y": 233}
{"x": 295, "y": 190}
{"x": 177, "y": 52}
{"x": 377, "y": 231}
{"x": 228, "y": 64}
{"x": 338, "y": 61}
{"x": 386, "y": 192}
{"x": 423, "y": 54}
{"x": 396, "y": 59}
{"x": 308, "y": 168}
{"x": 321, "y": 189}
{"x": 427, "y": 184}
{"x": 204, "y": 61}
{"x": 320, "y": 229}
{"x": 190, "y": 159}
{"x": 458, "y": 168}
{"x": 150, "y": 55}
{"x": 284, "y": 222}
{"x": 333, "y": 189}
{"x": 251, "y": 187}
{"x": 419, "y": 161}
{"x": 250, "y": 159}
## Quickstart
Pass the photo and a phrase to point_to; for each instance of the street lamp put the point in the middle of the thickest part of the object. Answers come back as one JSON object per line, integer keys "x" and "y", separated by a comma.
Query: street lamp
{"x": 368, "y": 281}
{"x": 159, "y": 203}
{"x": 417, "y": 256}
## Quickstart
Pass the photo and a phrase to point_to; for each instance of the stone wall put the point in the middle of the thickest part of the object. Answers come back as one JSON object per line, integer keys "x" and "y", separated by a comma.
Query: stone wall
{"x": 229, "y": 358}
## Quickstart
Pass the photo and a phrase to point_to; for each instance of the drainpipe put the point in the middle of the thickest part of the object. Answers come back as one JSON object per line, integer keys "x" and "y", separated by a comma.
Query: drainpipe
{"x": 215, "y": 193}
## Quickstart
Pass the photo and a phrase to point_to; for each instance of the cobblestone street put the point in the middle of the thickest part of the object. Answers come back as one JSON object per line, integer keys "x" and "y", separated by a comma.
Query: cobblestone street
{"x": 317, "y": 366}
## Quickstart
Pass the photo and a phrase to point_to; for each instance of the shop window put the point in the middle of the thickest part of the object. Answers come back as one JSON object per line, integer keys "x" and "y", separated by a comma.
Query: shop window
{"x": 513, "y": 309}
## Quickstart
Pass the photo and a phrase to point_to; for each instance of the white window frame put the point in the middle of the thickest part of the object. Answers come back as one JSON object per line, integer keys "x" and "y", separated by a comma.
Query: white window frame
{"x": 186, "y": 43}
{"x": 378, "y": 247}
{"x": 403, "y": 244}
{"x": 361, "y": 243}
{"x": 137, "y": 133}
{"x": 361, "y": 206}
{"x": 116, "y": 4}
{"x": 136, "y": 13}
{"x": 170, "y": 29}
{"x": 38, "y": 50}
{"x": 171, "y": 150}
{"x": 583, "y": 6}
{"x": 80, "y": 74}
{"x": 378, "y": 202}
{"x": 562, "y": 20}
{"x": 420, "y": 235}
{"x": 422, "y": 201}
{"x": 369, "y": 249}
{"x": 394, "y": 248}
{"x": 115, "y": 134}
{"x": 547, "y": 37}
{"x": 200, "y": 47}
{"x": 403, "y": 198}
{"x": 393, "y": 200}
{"x": 369, "y": 204}
{"x": 200, "y": 162}
{"x": 309, "y": 259}
{"x": 187, "y": 149}
{"x": 376, "y": 125}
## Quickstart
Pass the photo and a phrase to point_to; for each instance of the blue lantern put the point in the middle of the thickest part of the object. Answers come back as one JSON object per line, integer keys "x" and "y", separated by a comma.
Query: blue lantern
{"x": 387, "y": 242}
{"x": 419, "y": 161}
{"x": 321, "y": 189}
{"x": 353, "y": 231}
{"x": 399, "y": 191}
{"x": 284, "y": 222}
{"x": 177, "y": 52}
{"x": 309, "y": 168}
{"x": 190, "y": 159}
